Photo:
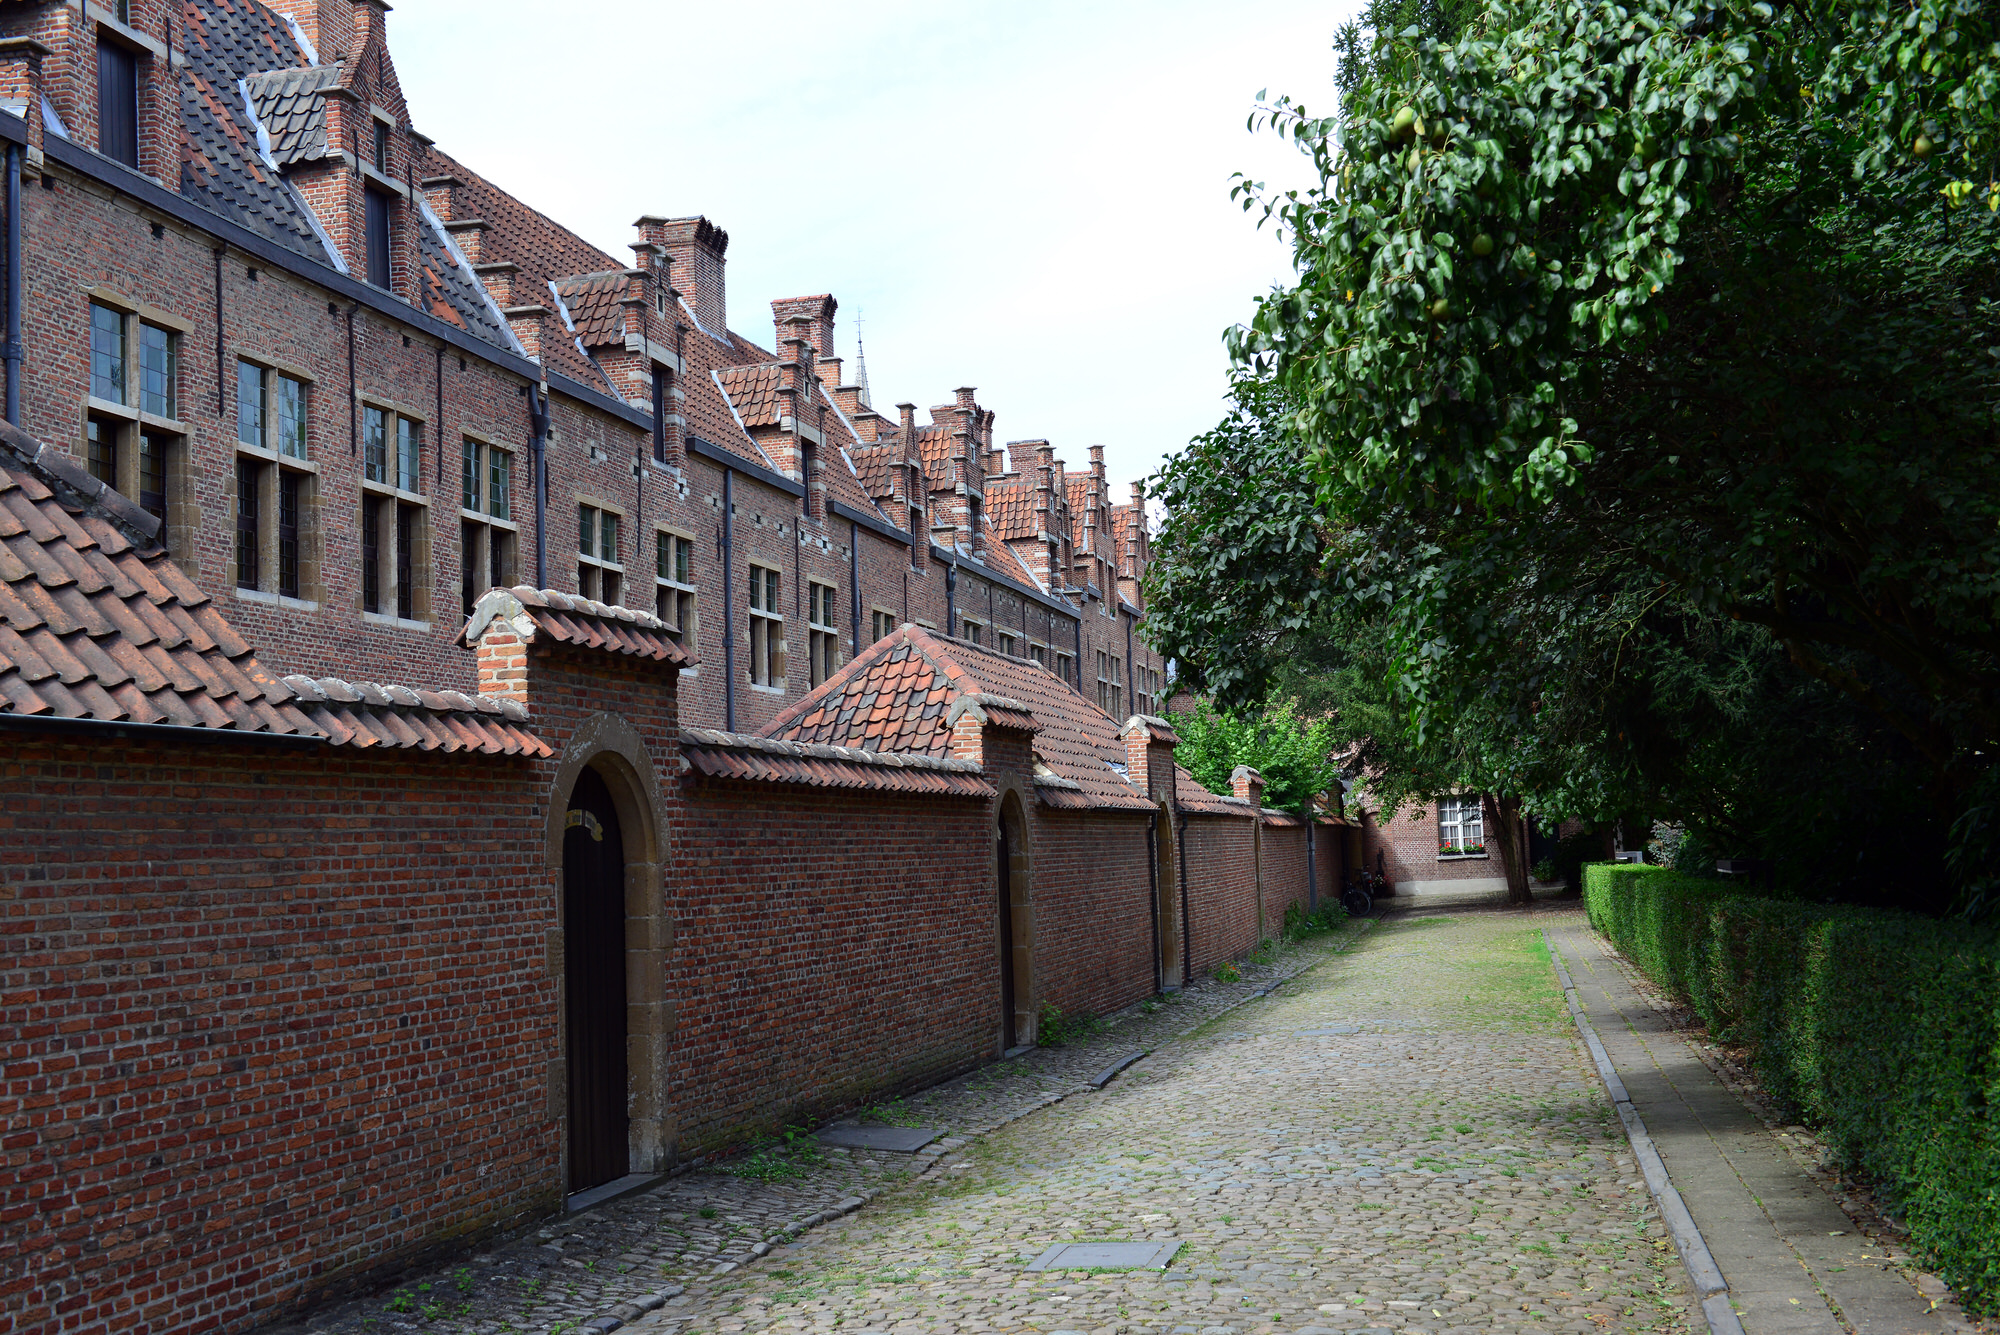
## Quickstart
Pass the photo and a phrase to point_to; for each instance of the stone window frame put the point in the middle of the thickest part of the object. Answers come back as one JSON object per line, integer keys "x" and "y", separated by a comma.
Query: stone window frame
{"x": 822, "y": 635}
{"x": 764, "y": 630}
{"x": 598, "y": 577}
{"x": 1006, "y": 642}
{"x": 681, "y": 597}
{"x": 970, "y": 630}
{"x": 387, "y": 502}
{"x": 123, "y": 427}
{"x": 882, "y": 621}
{"x": 481, "y": 531}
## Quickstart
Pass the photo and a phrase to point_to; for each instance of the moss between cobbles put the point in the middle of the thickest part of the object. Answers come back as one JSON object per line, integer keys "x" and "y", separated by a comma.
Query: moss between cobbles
{"x": 1880, "y": 1030}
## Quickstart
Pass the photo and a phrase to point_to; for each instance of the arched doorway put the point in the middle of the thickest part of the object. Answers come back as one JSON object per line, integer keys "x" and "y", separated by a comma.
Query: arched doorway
{"x": 1166, "y": 902}
{"x": 594, "y": 983}
{"x": 1016, "y": 934}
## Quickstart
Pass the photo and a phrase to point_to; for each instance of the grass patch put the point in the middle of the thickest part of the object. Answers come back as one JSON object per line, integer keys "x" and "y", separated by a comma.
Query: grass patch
{"x": 779, "y": 1159}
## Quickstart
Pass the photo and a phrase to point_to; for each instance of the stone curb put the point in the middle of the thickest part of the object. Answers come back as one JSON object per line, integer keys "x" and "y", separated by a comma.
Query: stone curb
{"x": 625, "y": 1312}
{"x": 1709, "y": 1284}
{"x": 1109, "y": 1073}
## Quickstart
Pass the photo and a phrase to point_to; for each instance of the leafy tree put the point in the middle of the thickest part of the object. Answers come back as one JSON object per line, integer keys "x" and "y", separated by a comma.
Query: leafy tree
{"x": 1293, "y": 753}
{"x": 1644, "y": 360}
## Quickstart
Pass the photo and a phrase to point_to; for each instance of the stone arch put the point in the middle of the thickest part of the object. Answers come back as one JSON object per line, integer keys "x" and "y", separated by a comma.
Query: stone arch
{"x": 1016, "y": 920}
{"x": 613, "y": 748}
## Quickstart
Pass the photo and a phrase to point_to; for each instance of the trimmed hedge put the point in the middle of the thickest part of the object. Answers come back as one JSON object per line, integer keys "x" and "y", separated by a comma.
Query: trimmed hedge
{"x": 1880, "y": 1030}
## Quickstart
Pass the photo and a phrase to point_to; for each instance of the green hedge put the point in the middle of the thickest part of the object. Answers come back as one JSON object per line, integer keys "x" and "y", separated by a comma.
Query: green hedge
{"x": 1879, "y": 1030}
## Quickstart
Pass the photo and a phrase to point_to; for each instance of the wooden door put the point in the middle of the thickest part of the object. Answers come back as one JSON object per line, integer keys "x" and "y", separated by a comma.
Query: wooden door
{"x": 1009, "y": 1028}
{"x": 594, "y": 983}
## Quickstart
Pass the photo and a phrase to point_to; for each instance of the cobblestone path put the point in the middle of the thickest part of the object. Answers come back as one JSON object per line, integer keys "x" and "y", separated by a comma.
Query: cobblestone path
{"x": 1408, "y": 1137}
{"x": 666, "y": 1246}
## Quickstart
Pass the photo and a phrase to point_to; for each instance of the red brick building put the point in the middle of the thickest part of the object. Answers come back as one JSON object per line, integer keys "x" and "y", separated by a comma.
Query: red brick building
{"x": 755, "y": 757}
{"x": 362, "y": 384}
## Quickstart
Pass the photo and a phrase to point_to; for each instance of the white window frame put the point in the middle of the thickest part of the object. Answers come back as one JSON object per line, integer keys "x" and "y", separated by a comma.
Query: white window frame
{"x": 598, "y": 577}
{"x": 1461, "y": 821}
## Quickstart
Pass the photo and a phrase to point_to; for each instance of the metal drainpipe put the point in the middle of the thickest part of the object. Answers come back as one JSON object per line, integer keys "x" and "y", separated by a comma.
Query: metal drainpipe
{"x": 728, "y": 600}
{"x": 1153, "y": 895}
{"x": 854, "y": 577}
{"x": 221, "y": 397}
{"x": 439, "y": 420}
{"x": 13, "y": 349}
{"x": 951, "y": 599}
{"x": 1312, "y": 881}
{"x": 538, "y": 440}
{"x": 1187, "y": 922}
{"x": 1079, "y": 645}
{"x": 353, "y": 379}
{"x": 1131, "y": 674}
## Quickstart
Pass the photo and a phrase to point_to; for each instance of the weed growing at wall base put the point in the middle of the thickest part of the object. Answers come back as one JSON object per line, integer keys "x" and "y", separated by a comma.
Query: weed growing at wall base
{"x": 1055, "y": 1029}
{"x": 1301, "y": 923}
{"x": 780, "y": 1158}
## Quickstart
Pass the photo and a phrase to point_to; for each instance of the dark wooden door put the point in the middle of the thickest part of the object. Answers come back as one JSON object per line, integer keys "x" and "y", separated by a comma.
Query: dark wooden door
{"x": 594, "y": 983}
{"x": 1007, "y": 941}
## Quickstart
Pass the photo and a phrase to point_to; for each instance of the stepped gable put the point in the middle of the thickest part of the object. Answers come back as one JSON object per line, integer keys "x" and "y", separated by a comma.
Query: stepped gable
{"x": 897, "y": 696}
{"x": 96, "y": 623}
{"x": 222, "y": 168}
{"x": 728, "y": 755}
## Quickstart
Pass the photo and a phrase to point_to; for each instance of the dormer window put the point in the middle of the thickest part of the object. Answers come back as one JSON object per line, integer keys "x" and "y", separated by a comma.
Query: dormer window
{"x": 381, "y": 148}
{"x": 117, "y": 103}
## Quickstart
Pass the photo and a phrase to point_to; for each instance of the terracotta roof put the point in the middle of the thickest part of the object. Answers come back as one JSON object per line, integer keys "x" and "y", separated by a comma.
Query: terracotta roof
{"x": 1011, "y": 509}
{"x": 596, "y": 304}
{"x": 96, "y": 623}
{"x": 872, "y": 465}
{"x": 451, "y": 291}
{"x": 898, "y": 696}
{"x": 753, "y": 393}
{"x": 569, "y": 619}
{"x": 726, "y": 755}
{"x": 1001, "y": 560}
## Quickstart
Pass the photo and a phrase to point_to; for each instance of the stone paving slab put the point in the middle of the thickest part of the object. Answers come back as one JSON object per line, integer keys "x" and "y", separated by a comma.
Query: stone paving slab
{"x": 900, "y": 1139}
{"x": 1794, "y": 1260}
{"x": 654, "y": 1250}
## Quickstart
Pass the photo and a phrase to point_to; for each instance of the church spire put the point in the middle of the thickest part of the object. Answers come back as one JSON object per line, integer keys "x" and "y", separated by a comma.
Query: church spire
{"x": 860, "y": 363}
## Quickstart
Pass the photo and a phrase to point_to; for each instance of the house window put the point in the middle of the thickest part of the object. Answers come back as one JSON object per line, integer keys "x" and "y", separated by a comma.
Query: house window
{"x": 371, "y": 554}
{"x": 381, "y": 148}
{"x": 378, "y": 238}
{"x": 398, "y": 464}
{"x": 1103, "y": 682}
{"x": 881, "y": 624}
{"x": 673, "y": 586}
{"x": 122, "y": 447}
{"x": 1066, "y": 667}
{"x": 159, "y": 372}
{"x": 1117, "y": 690}
{"x": 1009, "y": 645}
{"x": 767, "y": 629}
{"x": 1038, "y": 652}
{"x": 107, "y": 353}
{"x": 968, "y": 630}
{"x": 117, "y": 103}
{"x": 823, "y": 633}
{"x": 249, "y": 523}
{"x": 1145, "y": 690}
{"x": 486, "y": 535}
{"x": 1461, "y": 827}
{"x": 599, "y": 574}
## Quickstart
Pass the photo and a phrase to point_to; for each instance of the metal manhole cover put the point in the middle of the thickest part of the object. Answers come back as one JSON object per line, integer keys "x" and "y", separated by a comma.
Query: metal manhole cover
{"x": 1107, "y": 1256}
{"x": 900, "y": 1139}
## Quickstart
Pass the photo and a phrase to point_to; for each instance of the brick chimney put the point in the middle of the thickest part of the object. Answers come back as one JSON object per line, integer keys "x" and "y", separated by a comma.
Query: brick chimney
{"x": 818, "y": 312}
{"x": 1149, "y": 756}
{"x": 1248, "y": 785}
{"x": 695, "y": 247}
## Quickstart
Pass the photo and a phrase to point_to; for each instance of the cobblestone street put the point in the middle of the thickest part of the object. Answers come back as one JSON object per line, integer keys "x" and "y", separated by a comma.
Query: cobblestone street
{"x": 1407, "y": 1135}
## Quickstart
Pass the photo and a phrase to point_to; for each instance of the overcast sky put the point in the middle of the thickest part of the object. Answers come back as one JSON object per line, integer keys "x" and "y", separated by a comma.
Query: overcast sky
{"x": 1030, "y": 198}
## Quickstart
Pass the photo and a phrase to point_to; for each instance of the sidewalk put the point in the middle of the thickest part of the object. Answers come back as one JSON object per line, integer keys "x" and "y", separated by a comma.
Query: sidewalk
{"x": 1793, "y": 1260}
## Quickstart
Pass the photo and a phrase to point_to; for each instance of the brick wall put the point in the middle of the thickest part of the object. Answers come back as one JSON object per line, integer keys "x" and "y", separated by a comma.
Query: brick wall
{"x": 1284, "y": 873}
{"x": 1222, "y": 889}
{"x": 1409, "y": 844}
{"x": 1092, "y": 909}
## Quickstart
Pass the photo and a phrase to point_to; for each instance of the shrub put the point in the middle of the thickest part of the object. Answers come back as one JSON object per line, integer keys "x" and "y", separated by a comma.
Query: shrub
{"x": 1300, "y": 923}
{"x": 1879, "y": 1029}
{"x": 1227, "y": 972}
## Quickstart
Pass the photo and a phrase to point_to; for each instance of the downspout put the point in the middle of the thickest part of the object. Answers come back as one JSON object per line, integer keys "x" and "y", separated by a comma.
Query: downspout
{"x": 854, "y": 577}
{"x": 1187, "y": 935}
{"x": 13, "y": 348}
{"x": 221, "y": 396}
{"x": 1079, "y": 646}
{"x": 1153, "y": 896}
{"x": 439, "y": 419}
{"x": 538, "y": 441}
{"x": 1312, "y": 881}
{"x": 951, "y": 599}
{"x": 353, "y": 381}
{"x": 1131, "y": 674}
{"x": 728, "y": 601}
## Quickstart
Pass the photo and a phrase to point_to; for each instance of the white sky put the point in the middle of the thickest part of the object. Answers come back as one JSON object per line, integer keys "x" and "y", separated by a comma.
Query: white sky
{"x": 1030, "y": 198}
